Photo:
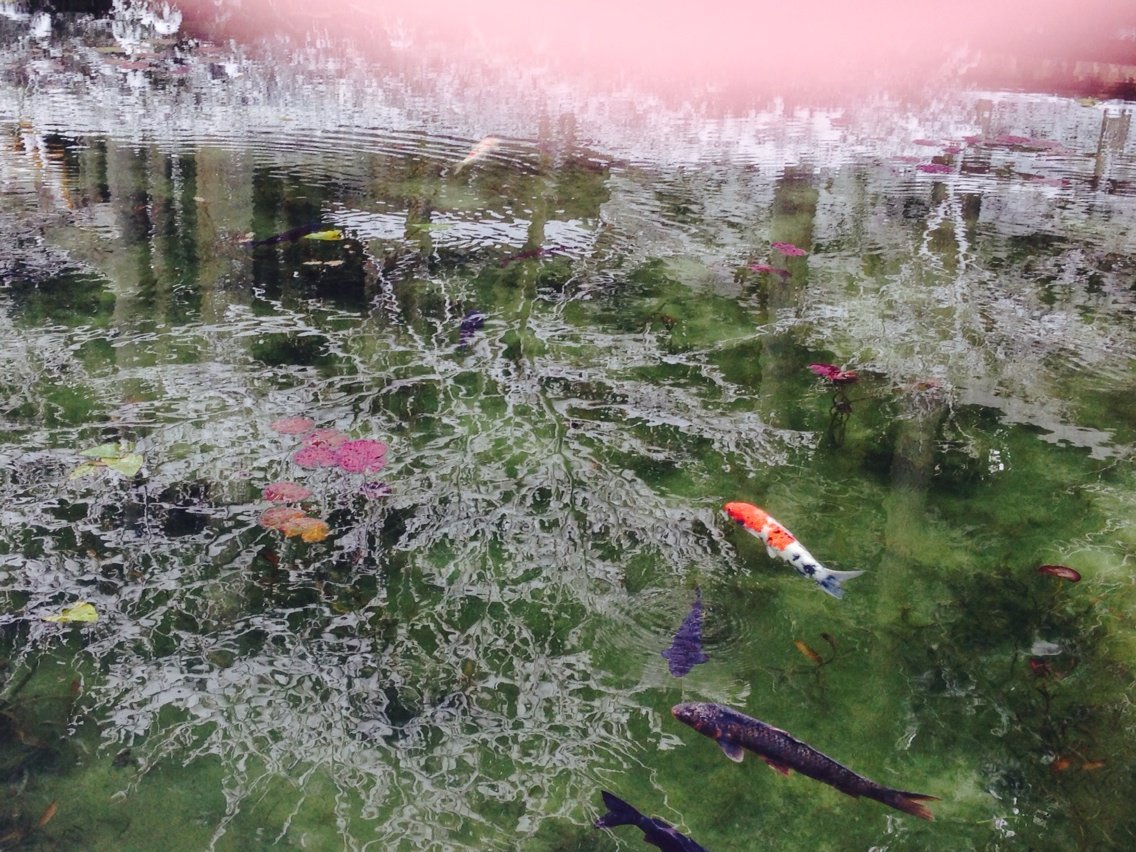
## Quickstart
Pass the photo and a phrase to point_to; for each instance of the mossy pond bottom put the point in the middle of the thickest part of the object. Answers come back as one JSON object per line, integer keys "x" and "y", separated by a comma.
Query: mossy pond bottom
{"x": 510, "y": 400}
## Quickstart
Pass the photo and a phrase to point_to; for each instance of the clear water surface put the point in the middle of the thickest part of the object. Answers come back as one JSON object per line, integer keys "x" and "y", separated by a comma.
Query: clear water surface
{"x": 473, "y": 653}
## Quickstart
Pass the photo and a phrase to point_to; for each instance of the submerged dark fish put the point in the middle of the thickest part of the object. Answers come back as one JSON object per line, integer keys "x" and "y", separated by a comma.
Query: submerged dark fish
{"x": 734, "y": 731}
{"x": 289, "y": 236}
{"x": 655, "y": 831}
{"x": 685, "y": 651}
{"x": 473, "y": 321}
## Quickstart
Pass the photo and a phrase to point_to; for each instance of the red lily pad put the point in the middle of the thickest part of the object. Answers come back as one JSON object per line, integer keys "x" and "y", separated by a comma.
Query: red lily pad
{"x": 1062, "y": 571}
{"x": 834, "y": 374}
{"x": 361, "y": 456}
{"x": 789, "y": 250}
{"x": 292, "y": 425}
{"x": 286, "y": 492}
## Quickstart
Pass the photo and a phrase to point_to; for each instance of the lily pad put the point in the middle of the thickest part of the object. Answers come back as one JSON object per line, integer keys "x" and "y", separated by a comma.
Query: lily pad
{"x": 120, "y": 459}
{"x": 292, "y": 425}
{"x": 80, "y": 612}
{"x": 361, "y": 456}
{"x": 286, "y": 492}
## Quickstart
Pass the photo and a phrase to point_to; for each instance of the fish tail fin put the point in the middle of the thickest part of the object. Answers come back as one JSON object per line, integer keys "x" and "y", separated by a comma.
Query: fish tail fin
{"x": 909, "y": 802}
{"x": 833, "y": 583}
{"x": 618, "y": 812}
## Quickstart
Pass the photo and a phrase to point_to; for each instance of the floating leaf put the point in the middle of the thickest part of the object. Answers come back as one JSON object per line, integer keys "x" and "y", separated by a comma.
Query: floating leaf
{"x": 286, "y": 492}
{"x": 277, "y": 516}
{"x": 835, "y": 374}
{"x": 314, "y": 457}
{"x": 329, "y": 438}
{"x": 102, "y": 451}
{"x": 361, "y": 456}
{"x": 373, "y": 490}
{"x": 308, "y": 529}
{"x": 120, "y": 459}
{"x": 292, "y": 425}
{"x": 770, "y": 270}
{"x": 789, "y": 250}
{"x": 80, "y": 612}
{"x": 1062, "y": 571}
{"x": 127, "y": 465}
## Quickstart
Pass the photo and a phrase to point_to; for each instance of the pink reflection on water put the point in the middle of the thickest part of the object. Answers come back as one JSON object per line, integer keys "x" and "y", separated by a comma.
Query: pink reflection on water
{"x": 809, "y": 44}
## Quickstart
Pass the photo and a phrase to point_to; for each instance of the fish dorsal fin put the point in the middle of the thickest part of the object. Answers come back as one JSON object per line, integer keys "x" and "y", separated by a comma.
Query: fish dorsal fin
{"x": 731, "y": 749}
{"x": 779, "y": 767}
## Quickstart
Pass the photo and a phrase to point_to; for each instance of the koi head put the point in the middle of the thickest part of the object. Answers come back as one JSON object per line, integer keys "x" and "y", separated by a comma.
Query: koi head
{"x": 700, "y": 716}
{"x": 747, "y": 514}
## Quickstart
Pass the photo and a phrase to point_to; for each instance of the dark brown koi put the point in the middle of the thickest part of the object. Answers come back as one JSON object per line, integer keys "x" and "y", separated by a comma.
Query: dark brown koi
{"x": 734, "y": 731}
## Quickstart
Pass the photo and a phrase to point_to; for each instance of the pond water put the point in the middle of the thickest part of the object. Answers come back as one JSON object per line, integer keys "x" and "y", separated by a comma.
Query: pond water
{"x": 573, "y": 363}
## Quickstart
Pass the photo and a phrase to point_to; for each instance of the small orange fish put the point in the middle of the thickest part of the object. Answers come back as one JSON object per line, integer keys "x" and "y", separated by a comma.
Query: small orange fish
{"x": 479, "y": 151}
{"x": 47, "y": 815}
{"x": 808, "y": 652}
{"x": 782, "y": 544}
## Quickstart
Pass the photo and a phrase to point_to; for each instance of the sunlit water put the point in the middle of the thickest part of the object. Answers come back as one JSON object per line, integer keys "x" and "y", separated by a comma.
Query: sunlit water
{"x": 474, "y": 651}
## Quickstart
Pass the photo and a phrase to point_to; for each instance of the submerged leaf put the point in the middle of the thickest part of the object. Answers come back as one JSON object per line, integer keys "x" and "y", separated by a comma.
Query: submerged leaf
{"x": 80, "y": 612}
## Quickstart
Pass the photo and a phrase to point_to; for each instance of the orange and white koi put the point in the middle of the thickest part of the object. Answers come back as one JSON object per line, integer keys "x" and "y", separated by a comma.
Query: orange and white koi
{"x": 782, "y": 544}
{"x": 479, "y": 151}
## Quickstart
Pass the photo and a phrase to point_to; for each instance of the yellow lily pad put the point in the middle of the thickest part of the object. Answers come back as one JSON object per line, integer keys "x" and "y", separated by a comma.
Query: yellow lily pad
{"x": 80, "y": 612}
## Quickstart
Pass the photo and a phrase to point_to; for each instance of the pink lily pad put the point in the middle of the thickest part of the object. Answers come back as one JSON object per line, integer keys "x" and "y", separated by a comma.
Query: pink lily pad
{"x": 834, "y": 374}
{"x": 329, "y": 438}
{"x": 286, "y": 492}
{"x": 789, "y": 250}
{"x": 361, "y": 456}
{"x": 770, "y": 270}
{"x": 292, "y": 425}
{"x": 314, "y": 457}
{"x": 277, "y": 516}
